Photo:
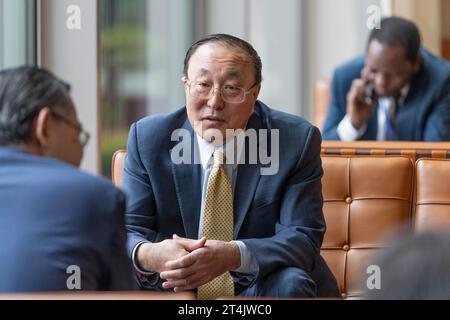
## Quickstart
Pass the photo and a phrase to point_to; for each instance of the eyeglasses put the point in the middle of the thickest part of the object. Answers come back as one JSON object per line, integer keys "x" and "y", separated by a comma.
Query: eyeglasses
{"x": 83, "y": 136}
{"x": 228, "y": 93}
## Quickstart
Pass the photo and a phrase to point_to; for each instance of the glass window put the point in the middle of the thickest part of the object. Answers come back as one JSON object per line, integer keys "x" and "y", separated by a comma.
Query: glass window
{"x": 142, "y": 47}
{"x": 17, "y": 33}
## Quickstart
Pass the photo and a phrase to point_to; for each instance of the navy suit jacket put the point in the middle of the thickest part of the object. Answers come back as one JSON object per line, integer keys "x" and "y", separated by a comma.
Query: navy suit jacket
{"x": 424, "y": 115}
{"x": 278, "y": 217}
{"x": 53, "y": 216}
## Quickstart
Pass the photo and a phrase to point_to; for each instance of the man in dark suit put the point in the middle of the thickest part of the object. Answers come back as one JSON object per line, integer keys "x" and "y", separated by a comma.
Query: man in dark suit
{"x": 60, "y": 229}
{"x": 400, "y": 91}
{"x": 274, "y": 219}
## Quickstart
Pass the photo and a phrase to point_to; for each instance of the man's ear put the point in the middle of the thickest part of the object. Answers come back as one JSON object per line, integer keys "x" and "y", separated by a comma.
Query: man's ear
{"x": 185, "y": 84}
{"x": 42, "y": 127}
{"x": 256, "y": 91}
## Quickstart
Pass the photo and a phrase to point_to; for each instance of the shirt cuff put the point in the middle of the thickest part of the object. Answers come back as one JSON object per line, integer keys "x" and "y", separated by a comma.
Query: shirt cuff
{"x": 347, "y": 132}
{"x": 144, "y": 277}
{"x": 135, "y": 264}
{"x": 249, "y": 265}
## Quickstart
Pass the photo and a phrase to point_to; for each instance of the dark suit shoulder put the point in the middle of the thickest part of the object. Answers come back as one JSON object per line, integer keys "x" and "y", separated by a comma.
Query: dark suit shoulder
{"x": 277, "y": 119}
{"x": 150, "y": 135}
{"x": 92, "y": 185}
{"x": 435, "y": 68}
{"x": 159, "y": 123}
{"x": 52, "y": 185}
{"x": 93, "y": 196}
{"x": 294, "y": 130}
{"x": 77, "y": 177}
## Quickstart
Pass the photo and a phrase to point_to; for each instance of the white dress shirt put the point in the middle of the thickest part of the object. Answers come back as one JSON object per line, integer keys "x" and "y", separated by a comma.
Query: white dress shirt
{"x": 347, "y": 132}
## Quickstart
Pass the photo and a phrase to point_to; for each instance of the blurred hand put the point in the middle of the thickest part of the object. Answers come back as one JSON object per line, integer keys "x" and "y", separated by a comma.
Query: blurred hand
{"x": 201, "y": 266}
{"x": 360, "y": 106}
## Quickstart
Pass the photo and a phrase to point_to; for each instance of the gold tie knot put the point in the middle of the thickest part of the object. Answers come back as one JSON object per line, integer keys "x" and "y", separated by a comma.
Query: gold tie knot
{"x": 219, "y": 158}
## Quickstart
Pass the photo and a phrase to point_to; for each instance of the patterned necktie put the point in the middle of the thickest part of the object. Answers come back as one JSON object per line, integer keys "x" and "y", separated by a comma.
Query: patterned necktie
{"x": 390, "y": 114}
{"x": 218, "y": 224}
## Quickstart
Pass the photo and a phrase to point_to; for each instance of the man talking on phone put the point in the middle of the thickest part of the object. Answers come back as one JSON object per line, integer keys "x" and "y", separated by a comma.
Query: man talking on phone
{"x": 399, "y": 91}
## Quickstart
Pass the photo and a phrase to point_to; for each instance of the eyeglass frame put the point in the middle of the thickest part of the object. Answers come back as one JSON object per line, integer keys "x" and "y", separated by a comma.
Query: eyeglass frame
{"x": 213, "y": 89}
{"x": 83, "y": 135}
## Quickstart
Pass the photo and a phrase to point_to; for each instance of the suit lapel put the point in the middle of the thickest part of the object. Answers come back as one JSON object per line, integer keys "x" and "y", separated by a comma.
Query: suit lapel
{"x": 372, "y": 127}
{"x": 187, "y": 179}
{"x": 247, "y": 179}
{"x": 412, "y": 110}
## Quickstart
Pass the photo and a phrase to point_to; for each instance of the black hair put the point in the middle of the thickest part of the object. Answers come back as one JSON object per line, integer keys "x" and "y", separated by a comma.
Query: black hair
{"x": 24, "y": 92}
{"x": 398, "y": 31}
{"x": 230, "y": 41}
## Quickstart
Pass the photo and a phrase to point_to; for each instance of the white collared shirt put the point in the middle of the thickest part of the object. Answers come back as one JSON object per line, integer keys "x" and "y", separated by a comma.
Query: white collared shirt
{"x": 347, "y": 132}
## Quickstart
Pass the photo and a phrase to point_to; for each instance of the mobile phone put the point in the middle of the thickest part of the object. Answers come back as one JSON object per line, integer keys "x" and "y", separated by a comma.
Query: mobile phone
{"x": 370, "y": 93}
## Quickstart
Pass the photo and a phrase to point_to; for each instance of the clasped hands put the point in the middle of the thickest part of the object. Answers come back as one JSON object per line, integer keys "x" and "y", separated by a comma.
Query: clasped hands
{"x": 186, "y": 264}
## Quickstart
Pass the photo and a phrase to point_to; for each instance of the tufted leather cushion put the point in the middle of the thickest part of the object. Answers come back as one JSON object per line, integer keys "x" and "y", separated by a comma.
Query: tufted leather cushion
{"x": 432, "y": 195}
{"x": 365, "y": 199}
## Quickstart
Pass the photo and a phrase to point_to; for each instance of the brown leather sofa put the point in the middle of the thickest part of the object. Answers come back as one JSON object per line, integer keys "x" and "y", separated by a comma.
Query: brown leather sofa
{"x": 370, "y": 196}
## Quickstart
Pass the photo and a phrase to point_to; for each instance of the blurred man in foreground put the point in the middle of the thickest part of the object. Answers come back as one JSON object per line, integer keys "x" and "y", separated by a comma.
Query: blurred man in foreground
{"x": 60, "y": 229}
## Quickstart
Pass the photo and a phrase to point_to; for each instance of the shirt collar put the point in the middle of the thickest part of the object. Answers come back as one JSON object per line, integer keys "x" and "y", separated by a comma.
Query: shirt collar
{"x": 403, "y": 93}
{"x": 207, "y": 150}
{"x": 401, "y": 98}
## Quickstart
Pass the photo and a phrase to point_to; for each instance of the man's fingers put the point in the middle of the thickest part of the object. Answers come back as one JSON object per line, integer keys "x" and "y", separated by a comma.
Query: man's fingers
{"x": 183, "y": 285}
{"x": 192, "y": 283}
{"x": 356, "y": 90}
{"x": 365, "y": 73}
{"x": 361, "y": 89}
{"x": 357, "y": 95}
{"x": 182, "y": 262}
{"x": 176, "y": 274}
{"x": 190, "y": 244}
{"x": 368, "y": 101}
{"x": 175, "y": 283}
{"x": 189, "y": 283}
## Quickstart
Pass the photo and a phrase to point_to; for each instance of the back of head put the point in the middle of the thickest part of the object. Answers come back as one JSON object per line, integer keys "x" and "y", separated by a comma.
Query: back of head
{"x": 396, "y": 31}
{"x": 416, "y": 267}
{"x": 24, "y": 91}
